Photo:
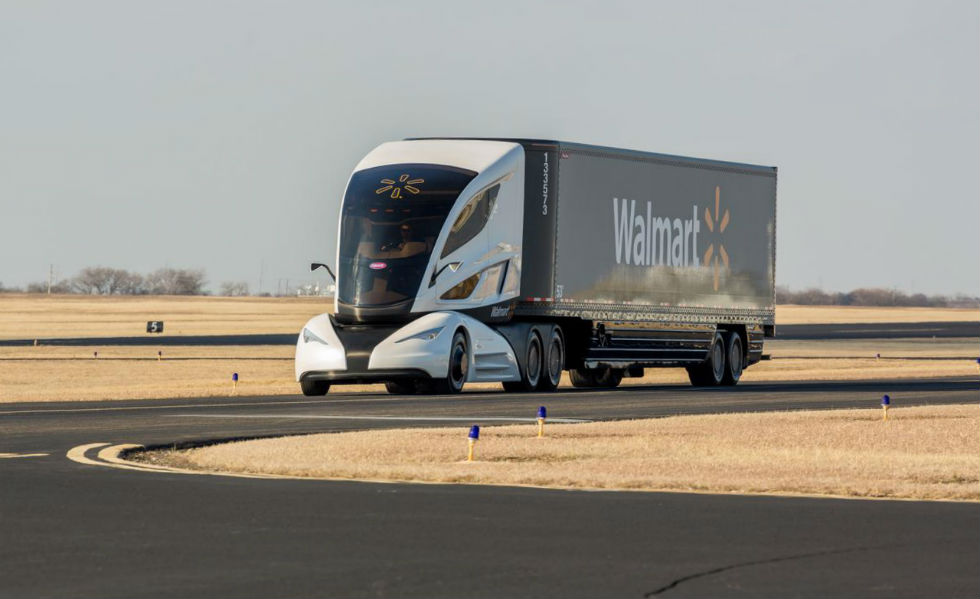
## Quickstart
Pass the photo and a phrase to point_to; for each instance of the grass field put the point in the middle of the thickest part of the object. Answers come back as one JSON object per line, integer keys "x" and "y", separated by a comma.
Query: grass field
{"x": 70, "y": 373}
{"x": 790, "y": 314}
{"x": 919, "y": 453}
{"x": 35, "y": 316}
{"x": 39, "y": 316}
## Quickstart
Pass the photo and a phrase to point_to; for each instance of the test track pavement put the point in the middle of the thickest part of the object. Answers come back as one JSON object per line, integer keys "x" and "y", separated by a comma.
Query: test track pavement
{"x": 84, "y": 530}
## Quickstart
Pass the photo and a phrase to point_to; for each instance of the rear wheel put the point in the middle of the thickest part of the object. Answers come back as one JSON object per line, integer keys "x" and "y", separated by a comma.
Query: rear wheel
{"x": 459, "y": 364}
{"x": 711, "y": 372}
{"x": 311, "y": 388}
{"x": 734, "y": 359}
{"x": 531, "y": 371}
{"x": 554, "y": 361}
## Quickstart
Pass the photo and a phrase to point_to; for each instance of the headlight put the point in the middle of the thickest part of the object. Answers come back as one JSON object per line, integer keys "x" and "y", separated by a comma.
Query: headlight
{"x": 424, "y": 335}
{"x": 309, "y": 335}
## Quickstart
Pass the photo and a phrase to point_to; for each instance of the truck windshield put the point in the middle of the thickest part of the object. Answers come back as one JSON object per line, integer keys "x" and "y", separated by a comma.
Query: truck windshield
{"x": 390, "y": 220}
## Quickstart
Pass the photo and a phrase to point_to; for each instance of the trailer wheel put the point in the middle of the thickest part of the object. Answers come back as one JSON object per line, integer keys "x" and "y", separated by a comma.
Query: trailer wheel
{"x": 401, "y": 387}
{"x": 711, "y": 372}
{"x": 531, "y": 368}
{"x": 554, "y": 361}
{"x": 582, "y": 377}
{"x": 459, "y": 364}
{"x": 733, "y": 359}
{"x": 311, "y": 388}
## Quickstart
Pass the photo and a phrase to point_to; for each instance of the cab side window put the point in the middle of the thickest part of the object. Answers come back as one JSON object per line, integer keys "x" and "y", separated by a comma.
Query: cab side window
{"x": 471, "y": 220}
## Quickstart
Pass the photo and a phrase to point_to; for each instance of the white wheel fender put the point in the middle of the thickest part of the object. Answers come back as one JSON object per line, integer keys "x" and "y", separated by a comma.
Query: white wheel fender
{"x": 318, "y": 347}
{"x": 490, "y": 356}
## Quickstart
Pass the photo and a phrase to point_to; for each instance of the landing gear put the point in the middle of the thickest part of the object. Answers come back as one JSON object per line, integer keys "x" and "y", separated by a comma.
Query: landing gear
{"x": 711, "y": 372}
{"x": 312, "y": 388}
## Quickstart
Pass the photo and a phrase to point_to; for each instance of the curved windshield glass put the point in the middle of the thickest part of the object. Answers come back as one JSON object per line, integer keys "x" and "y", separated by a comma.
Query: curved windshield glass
{"x": 391, "y": 218}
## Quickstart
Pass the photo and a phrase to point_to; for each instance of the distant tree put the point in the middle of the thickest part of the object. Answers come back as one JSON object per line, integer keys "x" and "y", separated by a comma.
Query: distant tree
{"x": 62, "y": 286}
{"x": 102, "y": 280}
{"x": 174, "y": 281}
{"x": 234, "y": 288}
{"x": 870, "y": 297}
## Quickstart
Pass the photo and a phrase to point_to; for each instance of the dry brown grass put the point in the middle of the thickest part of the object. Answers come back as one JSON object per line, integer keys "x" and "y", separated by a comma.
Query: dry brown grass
{"x": 965, "y": 348}
{"x": 792, "y": 314}
{"x": 71, "y": 373}
{"x": 920, "y": 453}
{"x": 49, "y": 375}
{"x": 40, "y": 316}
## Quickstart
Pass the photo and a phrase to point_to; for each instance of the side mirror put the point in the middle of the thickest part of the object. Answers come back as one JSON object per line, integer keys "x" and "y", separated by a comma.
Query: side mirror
{"x": 317, "y": 265}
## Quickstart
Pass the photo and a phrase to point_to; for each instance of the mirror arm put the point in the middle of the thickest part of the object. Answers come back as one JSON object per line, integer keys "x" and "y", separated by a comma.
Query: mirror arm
{"x": 317, "y": 265}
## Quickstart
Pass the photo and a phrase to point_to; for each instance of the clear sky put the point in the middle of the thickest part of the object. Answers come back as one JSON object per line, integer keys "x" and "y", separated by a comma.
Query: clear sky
{"x": 220, "y": 135}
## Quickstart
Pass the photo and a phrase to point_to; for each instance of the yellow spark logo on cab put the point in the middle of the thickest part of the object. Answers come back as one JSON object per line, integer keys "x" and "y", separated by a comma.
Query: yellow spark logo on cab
{"x": 405, "y": 182}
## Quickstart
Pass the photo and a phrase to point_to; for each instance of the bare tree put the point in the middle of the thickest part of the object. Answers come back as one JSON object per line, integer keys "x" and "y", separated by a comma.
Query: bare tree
{"x": 173, "y": 281}
{"x": 107, "y": 281}
{"x": 62, "y": 286}
{"x": 234, "y": 288}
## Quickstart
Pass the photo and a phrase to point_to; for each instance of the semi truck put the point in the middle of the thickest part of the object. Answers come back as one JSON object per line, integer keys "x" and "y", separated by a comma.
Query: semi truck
{"x": 514, "y": 260}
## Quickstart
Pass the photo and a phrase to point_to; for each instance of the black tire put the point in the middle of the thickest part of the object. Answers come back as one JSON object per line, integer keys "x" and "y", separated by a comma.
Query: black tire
{"x": 401, "y": 387}
{"x": 596, "y": 377}
{"x": 554, "y": 361}
{"x": 734, "y": 360}
{"x": 530, "y": 368}
{"x": 459, "y": 364}
{"x": 582, "y": 377}
{"x": 609, "y": 377}
{"x": 711, "y": 372}
{"x": 312, "y": 388}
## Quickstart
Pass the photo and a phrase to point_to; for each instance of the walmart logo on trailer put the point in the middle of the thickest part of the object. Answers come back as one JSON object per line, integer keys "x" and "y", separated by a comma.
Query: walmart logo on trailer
{"x": 648, "y": 240}
{"x": 643, "y": 239}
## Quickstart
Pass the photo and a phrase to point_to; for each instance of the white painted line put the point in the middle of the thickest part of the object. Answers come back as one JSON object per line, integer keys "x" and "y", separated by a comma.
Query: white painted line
{"x": 173, "y": 407}
{"x": 387, "y": 418}
{"x": 7, "y": 456}
{"x": 77, "y": 454}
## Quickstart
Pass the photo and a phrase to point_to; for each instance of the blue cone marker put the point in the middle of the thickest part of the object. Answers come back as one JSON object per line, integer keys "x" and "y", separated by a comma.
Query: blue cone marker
{"x": 542, "y": 414}
{"x": 234, "y": 382}
{"x": 885, "y": 402}
{"x": 473, "y": 437}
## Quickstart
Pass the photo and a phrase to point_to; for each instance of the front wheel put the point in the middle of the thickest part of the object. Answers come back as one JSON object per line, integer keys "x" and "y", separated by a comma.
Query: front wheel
{"x": 312, "y": 388}
{"x": 459, "y": 364}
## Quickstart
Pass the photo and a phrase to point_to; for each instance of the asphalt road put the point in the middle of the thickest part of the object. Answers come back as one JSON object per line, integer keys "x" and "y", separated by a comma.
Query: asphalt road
{"x": 88, "y": 530}
{"x": 879, "y": 330}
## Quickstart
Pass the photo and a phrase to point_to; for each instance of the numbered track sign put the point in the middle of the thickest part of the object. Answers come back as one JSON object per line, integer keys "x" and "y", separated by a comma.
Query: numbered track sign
{"x": 154, "y": 326}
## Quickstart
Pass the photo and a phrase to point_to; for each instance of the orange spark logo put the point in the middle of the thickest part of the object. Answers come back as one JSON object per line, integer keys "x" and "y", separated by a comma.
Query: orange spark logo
{"x": 710, "y": 258}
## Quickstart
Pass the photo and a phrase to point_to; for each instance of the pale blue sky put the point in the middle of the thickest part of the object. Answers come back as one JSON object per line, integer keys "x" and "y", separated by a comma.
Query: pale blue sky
{"x": 219, "y": 135}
